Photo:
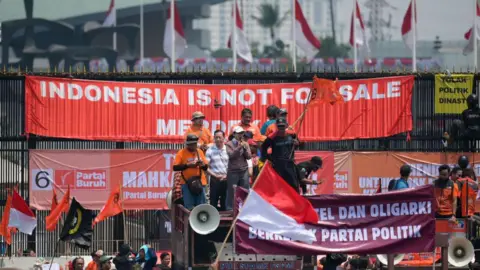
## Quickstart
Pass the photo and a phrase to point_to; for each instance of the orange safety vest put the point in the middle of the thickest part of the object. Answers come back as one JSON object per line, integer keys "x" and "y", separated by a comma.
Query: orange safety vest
{"x": 468, "y": 192}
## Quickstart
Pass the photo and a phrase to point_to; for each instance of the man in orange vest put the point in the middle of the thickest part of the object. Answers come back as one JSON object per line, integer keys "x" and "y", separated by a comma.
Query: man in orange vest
{"x": 204, "y": 135}
{"x": 468, "y": 188}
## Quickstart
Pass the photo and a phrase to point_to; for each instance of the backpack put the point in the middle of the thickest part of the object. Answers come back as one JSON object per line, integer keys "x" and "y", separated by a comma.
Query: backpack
{"x": 392, "y": 184}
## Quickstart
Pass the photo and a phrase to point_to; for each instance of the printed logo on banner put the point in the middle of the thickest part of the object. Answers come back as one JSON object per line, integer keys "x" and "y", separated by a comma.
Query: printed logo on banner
{"x": 341, "y": 180}
{"x": 42, "y": 179}
{"x": 81, "y": 179}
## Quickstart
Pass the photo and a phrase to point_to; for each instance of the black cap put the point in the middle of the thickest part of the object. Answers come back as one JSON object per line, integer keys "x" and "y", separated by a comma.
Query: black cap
{"x": 281, "y": 122}
{"x": 191, "y": 139}
{"x": 248, "y": 134}
{"x": 282, "y": 111}
{"x": 463, "y": 162}
{"x": 317, "y": 161}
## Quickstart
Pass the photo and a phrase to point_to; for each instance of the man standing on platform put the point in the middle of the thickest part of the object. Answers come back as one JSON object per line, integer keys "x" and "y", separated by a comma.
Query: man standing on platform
{"x": 204, "y": 135}
{"x": 217, "y": 158}
{"x": 446, "y": 193}
{"x": 283, "y": 143}
{"x": 247, "y": 125}
{"x": 237, "y": 174}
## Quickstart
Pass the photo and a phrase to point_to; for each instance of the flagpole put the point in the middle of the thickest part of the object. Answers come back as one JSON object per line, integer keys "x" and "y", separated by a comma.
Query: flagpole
{"x": 141, "y": 36}
{"x": 114, "y": 10}
{"x": 414, "y": 29}
{"x": 233, "y": 41}
{"x": 172, "y": 26}
{"x": 474, "y": 35}
{"x": 294, "y": 37}
{"x": 355, "y": 56}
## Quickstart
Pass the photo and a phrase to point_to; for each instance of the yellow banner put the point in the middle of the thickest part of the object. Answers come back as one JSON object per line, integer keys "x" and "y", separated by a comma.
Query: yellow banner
{"x": 451, "y": 92}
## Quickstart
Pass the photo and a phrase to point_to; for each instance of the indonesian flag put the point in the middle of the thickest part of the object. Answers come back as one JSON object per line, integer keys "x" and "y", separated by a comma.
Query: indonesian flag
{"x": 304, "y": 36}
{"x": 469, "y": 34}
{"x": 242, "y": 47}
{"x": 358, "y": 33}
{"x": 274, "y": 206}
{"x": 111, "y": 19}
{"x": 21, "y": 216}
{"x": 407, "y": 29}
{"x": 179, "y": 36}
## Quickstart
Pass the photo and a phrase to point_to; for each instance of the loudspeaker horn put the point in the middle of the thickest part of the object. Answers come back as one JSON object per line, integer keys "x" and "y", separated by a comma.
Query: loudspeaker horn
{"x": 204, "y": 219}
{"x": 396, "y": 259}
{"x": 169, "y": 199}
{"x": 460, "y": 252}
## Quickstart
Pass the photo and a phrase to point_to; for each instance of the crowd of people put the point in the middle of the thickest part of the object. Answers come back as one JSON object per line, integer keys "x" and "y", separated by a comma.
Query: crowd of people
{"x": 222, "y": 162}
{"x": 126, "y": 259}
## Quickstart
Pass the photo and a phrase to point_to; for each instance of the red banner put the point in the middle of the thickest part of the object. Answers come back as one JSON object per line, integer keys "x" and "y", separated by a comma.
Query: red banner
{"x": 129, "y": 111}
{"x": 146, "y": 176}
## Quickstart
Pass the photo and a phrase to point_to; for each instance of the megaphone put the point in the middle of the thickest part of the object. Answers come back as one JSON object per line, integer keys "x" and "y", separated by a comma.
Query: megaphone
{"x": 169, "y": 199}
{"x": 204, "y": 219}
{"x": 460, "y": 252}
{"x": 396, "y": 259}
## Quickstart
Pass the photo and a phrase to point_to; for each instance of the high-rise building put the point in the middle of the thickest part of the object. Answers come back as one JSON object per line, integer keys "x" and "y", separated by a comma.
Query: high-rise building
{"x": 317, "y": 13}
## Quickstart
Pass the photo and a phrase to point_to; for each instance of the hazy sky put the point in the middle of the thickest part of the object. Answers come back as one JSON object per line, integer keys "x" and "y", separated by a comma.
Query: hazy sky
{"x": 449, "y": 19}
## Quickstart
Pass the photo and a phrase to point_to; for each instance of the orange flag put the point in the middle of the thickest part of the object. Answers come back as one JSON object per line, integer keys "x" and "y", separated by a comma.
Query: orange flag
{"x": 324, "y": 91}
{"x": 54, "y": 216}
{"x": 54, "y": 201}
{"x": 5, "y": 231}
{"x": 112, "y": 207}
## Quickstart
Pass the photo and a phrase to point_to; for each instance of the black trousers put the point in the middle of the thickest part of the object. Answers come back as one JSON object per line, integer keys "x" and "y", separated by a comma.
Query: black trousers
{"x": 218, "y": 192}
{"x": 289, "y": 172}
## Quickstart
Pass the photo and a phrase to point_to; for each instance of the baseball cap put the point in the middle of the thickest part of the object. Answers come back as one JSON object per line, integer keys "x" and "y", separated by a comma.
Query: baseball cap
{"x": 238, "y": 129}
{"x": 281, "y": 122}
{"x": 282, "y": 111}
{"x": 191, "y": 139}
{"x": 248, "y": 134}
{"x": 197, "y": 115}
{"x": 105, "y": 259}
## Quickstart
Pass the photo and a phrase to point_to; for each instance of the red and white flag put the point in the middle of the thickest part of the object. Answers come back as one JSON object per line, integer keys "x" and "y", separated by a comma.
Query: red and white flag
{"x": 242, "y": 47}
{"x": 304, "y": 37}
{"x": 111, "y": 19}
{"x": 175, "y": 48}
{"x": 357, "y": 28}
{"x": 469, "y": 34}
{"x": 274, "y": 206}
{"x": 21, "y": 216}
{"x": 407, "y": 27}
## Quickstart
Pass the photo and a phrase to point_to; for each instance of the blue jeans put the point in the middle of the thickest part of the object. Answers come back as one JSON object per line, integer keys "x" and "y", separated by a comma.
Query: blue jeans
{"x": 190, "y": 200}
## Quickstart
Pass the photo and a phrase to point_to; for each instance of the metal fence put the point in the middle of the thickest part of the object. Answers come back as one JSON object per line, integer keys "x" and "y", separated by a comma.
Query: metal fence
{"x": 139, "y": 227}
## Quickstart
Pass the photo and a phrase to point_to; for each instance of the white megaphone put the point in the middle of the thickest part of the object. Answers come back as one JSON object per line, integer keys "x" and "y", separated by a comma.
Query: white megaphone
{"x": 204, "y": 219}
{"x": 169, "y": 199}
{"x": 460, "y": 252}
{"x": 383, "y": 258}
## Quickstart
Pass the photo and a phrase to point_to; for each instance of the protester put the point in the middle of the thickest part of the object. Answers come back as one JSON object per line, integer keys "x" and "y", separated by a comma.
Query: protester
{"x": 283, "y": 143}
{"x": 78, "y": 263}
{"x": 456, "y": 174}
{"x": 204, "y": 135}
{"x": 253, "y": 169}
{"x": 123, "y": 261}
{"x": 105, "y": 262}
{"x": 332, "y": 261}
{"x": 446, "y": 193}
{"x": 281, "y": 113}
{"x": 217, "y": 158}
{"x": 192, "y": 164}
{"x": 247, "y": 125}
{"x": 146, "y": 257}
{"x": 468, "y": 189}
{"x": 237, "y": 174}
{"x": 306, "y": 168}
{"x": 94, "y": 264}
{"x": 468, "y": 128}
{"x": 164, "y": 261}
{"x": 402, "y": 182}
{"x": 272, "y": 116}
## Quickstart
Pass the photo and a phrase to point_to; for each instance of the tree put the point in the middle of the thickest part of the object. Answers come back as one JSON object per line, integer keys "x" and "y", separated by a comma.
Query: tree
{"x": 331, "y": 49}
{"x": 270, "y": 18}
{"x": 222, "y": 53}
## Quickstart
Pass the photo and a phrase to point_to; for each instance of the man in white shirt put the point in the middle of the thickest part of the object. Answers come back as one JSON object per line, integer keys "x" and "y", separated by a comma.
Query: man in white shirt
{"x": 218, "y": 159}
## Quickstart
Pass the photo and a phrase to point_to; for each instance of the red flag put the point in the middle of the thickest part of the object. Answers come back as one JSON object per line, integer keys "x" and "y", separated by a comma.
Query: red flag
{"x": 5, "y": 231}
{"x": 54, "y": 201}
{"x": 54, "y": 216}
{"x": 112, "y": 207}
{"x": 379, "y": 186}
{"x": 324, "y": 91}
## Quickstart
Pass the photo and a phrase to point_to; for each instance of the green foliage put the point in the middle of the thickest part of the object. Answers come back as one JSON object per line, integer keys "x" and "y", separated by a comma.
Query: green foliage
{"x": 222, "y": 53}
{"x": 270, "y": 17}
{"x": 331, "y": 49}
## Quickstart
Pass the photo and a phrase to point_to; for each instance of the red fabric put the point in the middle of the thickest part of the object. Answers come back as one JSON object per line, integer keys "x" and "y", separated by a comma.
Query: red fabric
{"x": 307, "y": 31}
{"x": 54, "y": 200}
{"x": 112, "y": 207}
{"x": 5, "y": 231}
{"x": 52, "y": 219}
{"x": 273, "y": 189}
{"x": 19, "y": 204}
{"x": 130, "y": 111}
{"x": 407, "y": 19}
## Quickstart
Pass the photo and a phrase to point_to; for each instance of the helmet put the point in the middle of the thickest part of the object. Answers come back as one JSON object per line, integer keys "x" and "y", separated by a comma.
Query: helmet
{"x": 472, "y": 101}
{"x": 463, "y": 162}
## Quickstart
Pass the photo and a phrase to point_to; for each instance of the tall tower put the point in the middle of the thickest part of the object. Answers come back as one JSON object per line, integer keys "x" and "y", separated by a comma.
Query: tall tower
{"x": 380, "y": 28}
